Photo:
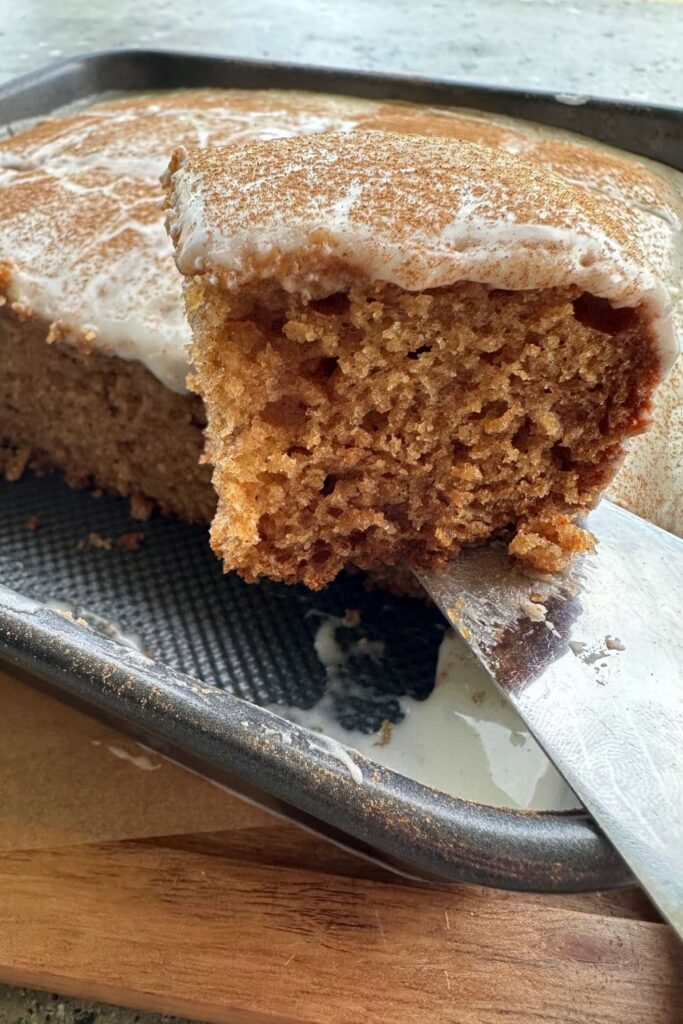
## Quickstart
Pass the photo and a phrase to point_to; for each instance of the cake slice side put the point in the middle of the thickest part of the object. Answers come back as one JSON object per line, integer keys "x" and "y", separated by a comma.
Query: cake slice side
{"x": 102, "y": 420}
{"x": 379, "y": 426}
{"x": 408, "y": 345}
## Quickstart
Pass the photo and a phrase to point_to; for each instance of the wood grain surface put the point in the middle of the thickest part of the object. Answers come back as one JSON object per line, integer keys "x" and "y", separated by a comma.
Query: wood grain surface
{"x": 241, "y": 917}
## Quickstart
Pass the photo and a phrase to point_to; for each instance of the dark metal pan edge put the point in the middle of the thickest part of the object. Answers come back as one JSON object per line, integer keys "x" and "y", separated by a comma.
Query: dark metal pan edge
{"x": 650, "y": 130}
{"x": 229, "y": 739}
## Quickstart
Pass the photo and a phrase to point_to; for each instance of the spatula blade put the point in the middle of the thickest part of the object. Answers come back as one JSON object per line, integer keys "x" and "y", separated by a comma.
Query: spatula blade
{"x": 593, "y": 663}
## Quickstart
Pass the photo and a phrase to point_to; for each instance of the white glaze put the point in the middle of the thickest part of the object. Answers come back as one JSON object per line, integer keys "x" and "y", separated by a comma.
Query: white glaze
{"x": 129, "y": 297}
{"x": 140, "y": 761}
{"x": 319, "y": 213}
{"x": 89, "y": 251}
{"x": 464, "y": 739}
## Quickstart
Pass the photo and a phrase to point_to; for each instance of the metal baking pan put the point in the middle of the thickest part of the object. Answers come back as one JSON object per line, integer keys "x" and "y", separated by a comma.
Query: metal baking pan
{"x": 219, "y": 647}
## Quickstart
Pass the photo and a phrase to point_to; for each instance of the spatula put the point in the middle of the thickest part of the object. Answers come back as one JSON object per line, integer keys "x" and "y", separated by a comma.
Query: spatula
{"x": 593, "y": 663}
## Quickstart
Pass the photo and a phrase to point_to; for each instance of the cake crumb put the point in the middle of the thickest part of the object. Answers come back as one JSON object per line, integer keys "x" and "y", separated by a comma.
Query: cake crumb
{"x": 549, "y": 545}
{"x": 65, "y": 613}
{"x": 140, "y": 507}
{"x": 384, "y": 735}
{"x": 95, "y": 540}
{"x": 21, "y": 310}
{"x": 613, "y": 643}
{"x": 32, "y": 524}
{"x": 56, "y": 332}
{"x": 130, "y": 541}
{"x": 351, "y": 617}
{"x": 533, "y": 610}
{"x": 17, "y": 463}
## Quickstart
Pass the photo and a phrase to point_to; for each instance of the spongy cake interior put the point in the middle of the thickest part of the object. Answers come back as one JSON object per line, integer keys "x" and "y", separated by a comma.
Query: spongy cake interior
{"x": 379, "y": 426}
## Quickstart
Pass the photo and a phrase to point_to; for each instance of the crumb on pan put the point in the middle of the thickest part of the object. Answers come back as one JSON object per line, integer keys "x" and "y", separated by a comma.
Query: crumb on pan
{"x": 96, "y": 540}
{"x": 141, "y": 508}
{"x": 130, "y": 541}
{"x": 15, "y": 462}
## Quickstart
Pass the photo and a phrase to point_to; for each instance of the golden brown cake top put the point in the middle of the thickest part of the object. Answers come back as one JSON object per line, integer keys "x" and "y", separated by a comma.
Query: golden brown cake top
{"x": 322, "y": 212}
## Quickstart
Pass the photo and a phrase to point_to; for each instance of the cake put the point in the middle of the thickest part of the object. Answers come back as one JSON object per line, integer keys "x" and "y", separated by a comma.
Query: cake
{"x": 405, "y": 345}
{"x": 93, "y": 335}
{"x": 650, "y": 483}
{"x": 86, "y": 266}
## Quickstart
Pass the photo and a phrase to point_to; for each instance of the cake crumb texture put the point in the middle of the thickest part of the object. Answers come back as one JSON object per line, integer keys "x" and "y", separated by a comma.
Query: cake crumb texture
{"x": 381, "y": 426}
{"x": 102, "y": 420}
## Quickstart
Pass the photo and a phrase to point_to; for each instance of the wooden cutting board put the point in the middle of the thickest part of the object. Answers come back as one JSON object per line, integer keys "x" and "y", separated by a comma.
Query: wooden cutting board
{"x": 125, "y": 878}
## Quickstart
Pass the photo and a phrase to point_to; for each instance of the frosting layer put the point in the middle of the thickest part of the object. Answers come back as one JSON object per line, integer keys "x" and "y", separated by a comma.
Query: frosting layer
{"x": 319, "y": 213}
{"x": 82, "y": 243}
{"x": 82, "y": 240}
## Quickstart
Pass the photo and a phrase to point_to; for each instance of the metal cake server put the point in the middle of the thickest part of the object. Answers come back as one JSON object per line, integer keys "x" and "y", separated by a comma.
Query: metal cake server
{"x": 593, "y": 663}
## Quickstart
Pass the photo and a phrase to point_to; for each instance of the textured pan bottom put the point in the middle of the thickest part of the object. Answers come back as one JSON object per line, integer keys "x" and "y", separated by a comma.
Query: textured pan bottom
{"x": 159, "y": 583}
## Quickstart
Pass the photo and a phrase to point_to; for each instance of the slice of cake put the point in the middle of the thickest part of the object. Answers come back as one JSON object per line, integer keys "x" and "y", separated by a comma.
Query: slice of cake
{"x": 405, "y": 345}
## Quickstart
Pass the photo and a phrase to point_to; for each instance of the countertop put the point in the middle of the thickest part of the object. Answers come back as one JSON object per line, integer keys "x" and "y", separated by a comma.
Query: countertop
{"x": 610, "y": 48}
{"x": 127, "y": 879}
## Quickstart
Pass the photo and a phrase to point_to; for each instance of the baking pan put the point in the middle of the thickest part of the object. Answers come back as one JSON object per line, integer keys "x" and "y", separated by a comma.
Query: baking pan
{"x": 161, "y": 643}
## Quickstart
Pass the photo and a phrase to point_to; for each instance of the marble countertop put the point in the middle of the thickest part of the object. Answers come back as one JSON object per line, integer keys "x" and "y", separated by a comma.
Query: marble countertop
{"x": 627, "y": 49}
